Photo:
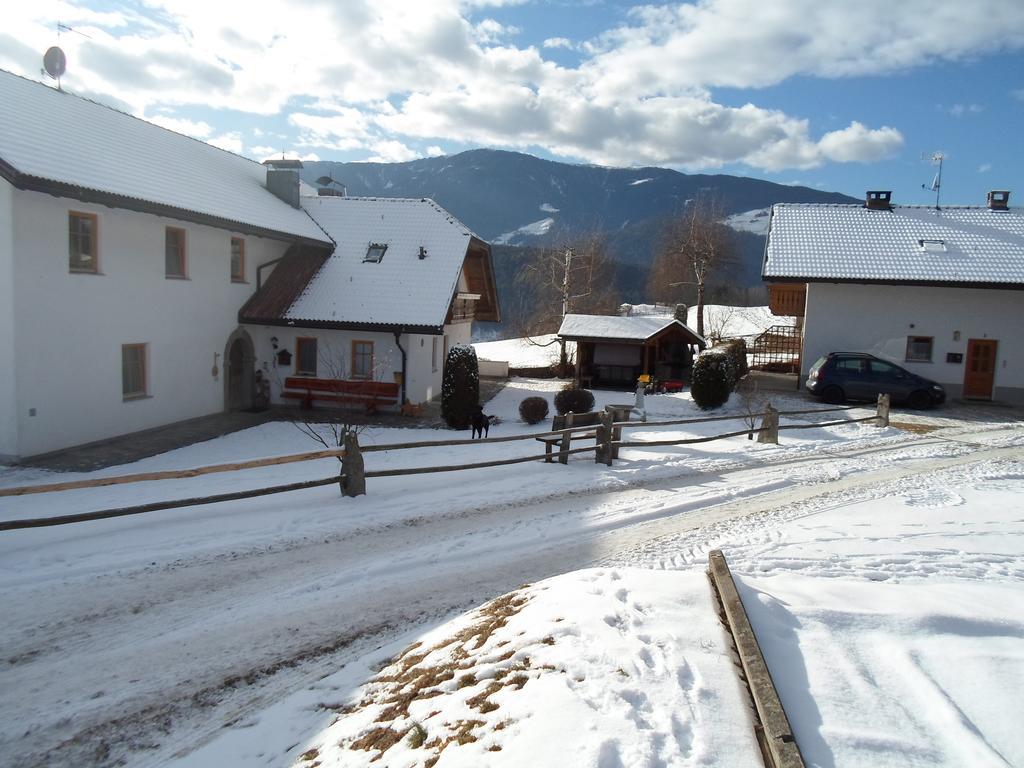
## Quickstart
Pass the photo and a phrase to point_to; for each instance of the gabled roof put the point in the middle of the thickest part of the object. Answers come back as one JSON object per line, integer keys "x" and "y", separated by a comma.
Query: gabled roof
{"x": 53, "y": 141}
{"x": 908, "y": 244}
{"x": 402, "y": 290}
{"x": 618, "y": 328}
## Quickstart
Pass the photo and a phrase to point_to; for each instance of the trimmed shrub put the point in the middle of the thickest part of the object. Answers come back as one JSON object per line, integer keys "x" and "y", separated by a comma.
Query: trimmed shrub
{"x": 710, "y": 385}
{"x": 460, "y": 387}
{"x": 575, "y": 399}
{"x": 533, "y": 410}
{"x": 736, "y": 349}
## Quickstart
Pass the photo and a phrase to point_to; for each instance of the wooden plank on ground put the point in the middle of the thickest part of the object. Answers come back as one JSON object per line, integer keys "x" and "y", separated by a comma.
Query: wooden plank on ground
{"x": 778, "y": 745}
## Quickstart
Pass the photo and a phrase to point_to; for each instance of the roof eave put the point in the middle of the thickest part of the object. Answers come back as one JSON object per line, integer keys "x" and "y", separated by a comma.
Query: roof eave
{"x": 114, "y": 200}
{"x": 427, "y": 330}
{"x": 884, "y": 281}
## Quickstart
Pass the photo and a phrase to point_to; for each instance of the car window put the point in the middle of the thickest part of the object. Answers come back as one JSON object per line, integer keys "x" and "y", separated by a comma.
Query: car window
{"x": 851, "y": 365}
{"x": 885, "y": 369}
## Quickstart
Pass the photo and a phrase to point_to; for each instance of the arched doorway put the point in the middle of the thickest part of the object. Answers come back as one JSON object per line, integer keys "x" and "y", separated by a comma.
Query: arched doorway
{"x": 239, "y": 370}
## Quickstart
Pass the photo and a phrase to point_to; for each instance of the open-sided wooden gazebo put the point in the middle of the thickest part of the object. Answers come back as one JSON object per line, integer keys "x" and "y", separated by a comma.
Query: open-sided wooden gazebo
{"x": 614, "y": 351}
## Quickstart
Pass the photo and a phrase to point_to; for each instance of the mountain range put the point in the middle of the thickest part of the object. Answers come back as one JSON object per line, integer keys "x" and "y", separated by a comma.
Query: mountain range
{"x": 516, "y": 201}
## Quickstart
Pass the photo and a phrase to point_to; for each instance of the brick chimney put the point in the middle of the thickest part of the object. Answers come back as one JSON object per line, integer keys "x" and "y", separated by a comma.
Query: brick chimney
{"x": 878, "y": 200}
{"x": 283, "y": 179}
{"x": 999, "y": 200}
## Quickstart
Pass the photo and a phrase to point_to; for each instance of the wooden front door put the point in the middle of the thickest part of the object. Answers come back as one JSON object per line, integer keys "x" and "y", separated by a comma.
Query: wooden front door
{"x": 980, "y": 372}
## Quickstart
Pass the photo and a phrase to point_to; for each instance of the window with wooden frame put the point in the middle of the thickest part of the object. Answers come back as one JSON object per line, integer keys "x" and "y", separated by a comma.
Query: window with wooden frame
{"x": 305, "y": 356}
{"x": 362, "y": 359}
{"x": 919, "y": 349}
{"x": 174, "y": 252}
{"x": 133, "y": 371}
{"x": 237, "y": 260}
{"x": 83, "y": 242}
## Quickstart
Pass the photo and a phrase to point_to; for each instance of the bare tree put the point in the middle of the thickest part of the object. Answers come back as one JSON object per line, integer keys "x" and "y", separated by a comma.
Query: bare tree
{"x": 695, "y": 246}
{"x": 576, "y": 275}
{"x": 335, "y": 428}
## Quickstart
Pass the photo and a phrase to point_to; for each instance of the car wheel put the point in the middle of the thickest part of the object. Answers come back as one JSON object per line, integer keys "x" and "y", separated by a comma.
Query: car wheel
{"x": 832, "y": 394}
{"x": 919, "y": 400}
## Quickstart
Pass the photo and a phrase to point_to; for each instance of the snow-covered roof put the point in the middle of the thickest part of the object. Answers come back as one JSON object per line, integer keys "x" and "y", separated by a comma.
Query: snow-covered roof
{"x": 617, "y": 327}
{"x": 400, "y": 289}
{"x": 53, "y": 136}
{"x": 957, "y": 245}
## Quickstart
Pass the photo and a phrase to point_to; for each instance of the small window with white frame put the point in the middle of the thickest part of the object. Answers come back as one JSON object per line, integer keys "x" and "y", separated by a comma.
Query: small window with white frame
{"x": 133, "y": 371}
{"x": 174, "y": 252}
{"x": 362, "y": 359}
{"x": 83, "y": 244}
{"x": 237, "y": 260}
{"x": 305, "y": 356}
{"x": 919, "y": 349}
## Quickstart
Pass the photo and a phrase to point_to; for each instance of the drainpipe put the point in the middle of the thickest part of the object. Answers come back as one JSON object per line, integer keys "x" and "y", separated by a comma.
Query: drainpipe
{"x": 398, "y": 343}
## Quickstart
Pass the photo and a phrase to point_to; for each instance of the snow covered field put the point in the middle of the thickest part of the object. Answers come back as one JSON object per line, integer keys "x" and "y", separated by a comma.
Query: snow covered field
{"x": 874, "y": 563}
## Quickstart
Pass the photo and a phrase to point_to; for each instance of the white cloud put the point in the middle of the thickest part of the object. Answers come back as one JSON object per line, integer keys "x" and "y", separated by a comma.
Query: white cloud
{"x": 196, "y": 129}
{"x": 232, "y": 142}
{"x": 959, "y": 110}
{"x": 491, "y": 31}
{"x": 381, "y": 75}
{"x": 984, "y": 167}
{"x": 435, "y": 151}
{"x": 559, "y": 42}
{"x": 391, "y": 151}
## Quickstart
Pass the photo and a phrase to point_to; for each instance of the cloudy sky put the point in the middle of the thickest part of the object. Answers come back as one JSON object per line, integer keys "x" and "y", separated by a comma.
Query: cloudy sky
{"x": 842, "y": 95}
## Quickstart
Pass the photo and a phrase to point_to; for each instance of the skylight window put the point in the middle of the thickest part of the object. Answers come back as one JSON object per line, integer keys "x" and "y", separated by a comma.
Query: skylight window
{"x": 932, "y": 246}
{"x": 375, "y": 252}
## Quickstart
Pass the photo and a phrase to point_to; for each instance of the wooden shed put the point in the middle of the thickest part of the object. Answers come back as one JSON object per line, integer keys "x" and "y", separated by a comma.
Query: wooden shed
{"x": 614, "y": 351}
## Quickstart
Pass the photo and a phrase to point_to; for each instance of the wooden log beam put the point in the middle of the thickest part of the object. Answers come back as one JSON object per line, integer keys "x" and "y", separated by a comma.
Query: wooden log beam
{"x": 43, "y": 522}
{"x": 774, "y": 734}
{"x": 171, "y": 474}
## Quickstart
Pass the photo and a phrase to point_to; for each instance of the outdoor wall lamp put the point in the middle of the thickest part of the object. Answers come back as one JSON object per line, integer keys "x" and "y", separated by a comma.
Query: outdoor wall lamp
{"x": 273, "y": 341}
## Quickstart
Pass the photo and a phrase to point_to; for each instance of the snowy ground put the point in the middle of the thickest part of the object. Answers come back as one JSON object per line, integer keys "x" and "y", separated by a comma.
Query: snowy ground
{"x": 231, "y": 634}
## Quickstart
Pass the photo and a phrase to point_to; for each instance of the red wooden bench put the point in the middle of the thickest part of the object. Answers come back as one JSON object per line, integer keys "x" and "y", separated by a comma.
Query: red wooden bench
{"x": 372, "y": 394}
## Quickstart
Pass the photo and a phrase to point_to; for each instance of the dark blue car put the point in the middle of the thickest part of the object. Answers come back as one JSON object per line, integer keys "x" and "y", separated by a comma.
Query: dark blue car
{"x": 840, "y": 376}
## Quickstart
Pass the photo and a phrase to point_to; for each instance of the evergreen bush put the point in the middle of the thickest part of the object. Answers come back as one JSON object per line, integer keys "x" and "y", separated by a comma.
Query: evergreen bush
{"x": 710, "y": 383}
{"x": 460, "y": 387}
{"x": 533, "y": 410}
{"x": 574, "y": 398}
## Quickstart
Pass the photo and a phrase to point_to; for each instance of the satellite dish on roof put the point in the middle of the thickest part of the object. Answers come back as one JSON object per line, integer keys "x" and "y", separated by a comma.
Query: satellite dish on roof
{"x": 55, "y": 62}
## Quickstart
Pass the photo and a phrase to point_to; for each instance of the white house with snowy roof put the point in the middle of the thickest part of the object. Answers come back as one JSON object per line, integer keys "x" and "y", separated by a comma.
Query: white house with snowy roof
{"x": 403, "y": 284}
{"x": 127, "y": 252}
{"x": 939, "y": 291}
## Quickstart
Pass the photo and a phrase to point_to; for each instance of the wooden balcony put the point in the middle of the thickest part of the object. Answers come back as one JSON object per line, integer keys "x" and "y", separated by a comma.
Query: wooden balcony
{"x": 787, "y": 300}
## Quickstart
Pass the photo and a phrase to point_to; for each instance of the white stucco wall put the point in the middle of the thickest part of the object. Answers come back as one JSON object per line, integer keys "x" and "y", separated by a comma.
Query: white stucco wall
{"x": 878, "y": 319}
{"x": 8, "y": 392}
{"x": 334, "y": 352}
{"x": 334, "y": 347}
{"x": 69, "y": 328}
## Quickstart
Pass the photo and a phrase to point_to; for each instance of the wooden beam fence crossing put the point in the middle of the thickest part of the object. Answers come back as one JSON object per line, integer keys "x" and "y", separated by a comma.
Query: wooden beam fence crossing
{"x": 352, "y": 477}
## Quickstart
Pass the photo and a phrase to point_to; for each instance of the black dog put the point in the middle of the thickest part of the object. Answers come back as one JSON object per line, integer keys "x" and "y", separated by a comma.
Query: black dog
{"x": 481, "y": 424}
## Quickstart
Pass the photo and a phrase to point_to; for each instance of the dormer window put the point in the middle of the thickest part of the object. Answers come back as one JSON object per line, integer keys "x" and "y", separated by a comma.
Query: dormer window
{"x": 375, "y": 252}
{"x": 932, "y": 246}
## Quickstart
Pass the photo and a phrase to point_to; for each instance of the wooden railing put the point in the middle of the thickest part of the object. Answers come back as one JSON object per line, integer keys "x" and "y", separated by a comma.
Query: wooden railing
{"x": 606, "y": 447}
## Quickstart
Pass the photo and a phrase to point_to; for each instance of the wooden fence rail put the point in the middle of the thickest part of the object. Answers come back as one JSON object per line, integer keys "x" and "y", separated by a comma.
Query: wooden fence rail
{"x": 607, "y": 443}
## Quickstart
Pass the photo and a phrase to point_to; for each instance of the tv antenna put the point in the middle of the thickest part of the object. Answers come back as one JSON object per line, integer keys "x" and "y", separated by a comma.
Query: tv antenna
{"x": 55, "y": 63}
{"x": 936, "y": 185}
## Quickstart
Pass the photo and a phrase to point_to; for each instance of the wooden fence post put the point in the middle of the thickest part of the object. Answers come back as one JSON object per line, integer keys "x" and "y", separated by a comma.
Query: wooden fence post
{"x": 769, "y": 426}
{"x": 883, "y": 411}
{"x": 353, "y": 473}
{"x": 563, "y": 448}
{"x": 605, "y": 435}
